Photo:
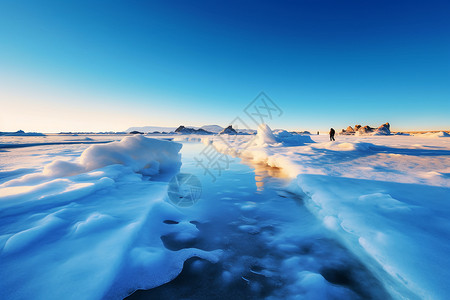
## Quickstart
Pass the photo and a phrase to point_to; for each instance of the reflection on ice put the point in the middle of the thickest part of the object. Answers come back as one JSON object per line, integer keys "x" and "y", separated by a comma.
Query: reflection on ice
{"x": 263, "y": 173}
{"x": 272, "y": 246}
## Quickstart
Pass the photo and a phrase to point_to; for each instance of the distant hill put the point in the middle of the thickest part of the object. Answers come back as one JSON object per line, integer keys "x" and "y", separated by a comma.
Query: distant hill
{"x": 212, "y": 128}
{"x": 147, "y": 129}
{"x": 218, "y": 129}
{"x": 186, "y": 130}
{"x": 21, "y": 133}
{"x": 209, "y": 128}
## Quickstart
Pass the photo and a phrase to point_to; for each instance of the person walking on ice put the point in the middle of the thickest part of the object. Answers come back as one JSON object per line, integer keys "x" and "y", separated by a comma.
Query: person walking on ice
{"x": 332, "y": 132}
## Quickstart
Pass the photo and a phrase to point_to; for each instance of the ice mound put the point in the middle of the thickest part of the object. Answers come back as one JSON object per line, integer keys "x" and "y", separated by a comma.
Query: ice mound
{"x": 289, "y": 139}
{"x": 264, "y": 136}
{"x": 144, "y": 155}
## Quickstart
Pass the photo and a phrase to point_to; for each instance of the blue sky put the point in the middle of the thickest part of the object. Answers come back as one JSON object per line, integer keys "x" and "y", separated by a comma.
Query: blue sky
{"x": 88, "y": 65}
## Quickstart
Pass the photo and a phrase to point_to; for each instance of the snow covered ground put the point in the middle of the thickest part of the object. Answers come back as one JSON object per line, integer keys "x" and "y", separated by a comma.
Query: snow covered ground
{"x": 82, "y": 220}
{"x": 387, "y": 198}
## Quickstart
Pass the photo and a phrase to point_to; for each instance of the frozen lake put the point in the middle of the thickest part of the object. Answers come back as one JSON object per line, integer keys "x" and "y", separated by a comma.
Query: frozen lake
{"x": 361, "y": 218}
{"x": 272, "y": 245}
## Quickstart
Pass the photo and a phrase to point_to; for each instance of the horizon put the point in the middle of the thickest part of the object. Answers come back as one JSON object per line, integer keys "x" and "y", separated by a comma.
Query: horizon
{"x": 87, "y": 67}
{"x": 338, "y": 129}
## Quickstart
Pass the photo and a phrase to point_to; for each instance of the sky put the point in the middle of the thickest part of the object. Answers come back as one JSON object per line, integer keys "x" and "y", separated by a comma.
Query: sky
{"x": 110, "y": 65}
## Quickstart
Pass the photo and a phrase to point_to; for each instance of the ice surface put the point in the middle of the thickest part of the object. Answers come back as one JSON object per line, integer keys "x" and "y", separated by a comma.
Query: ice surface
{"x": 90, "y": 224}
{"x": 74, "y": 229}
{"x": 402, "y": 227}
{"x": 387, "y": 197}
{"x": 273, "y": 248}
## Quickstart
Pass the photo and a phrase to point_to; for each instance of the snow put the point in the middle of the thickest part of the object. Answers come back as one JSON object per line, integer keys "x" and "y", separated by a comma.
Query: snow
{"x": 401, "y": 227}
{"x": 140, "y": 154}
{"x": 87, "y": 221}
{"x": 439, "y": 134}
{"x": 386, "y": 197}
{"x": 144, "y": 155}
{"x": 74, "y": 229}
{"x": 289, "y": 139}
{"x": 264, "y": 136}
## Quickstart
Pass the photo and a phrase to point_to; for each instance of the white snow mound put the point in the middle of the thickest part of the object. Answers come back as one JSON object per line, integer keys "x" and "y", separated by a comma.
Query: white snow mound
{"x": 143, "y": 155}
{"x": 289, "y": 139}
{"x": 436, "y": 134}
{"x": 264, "y": 136}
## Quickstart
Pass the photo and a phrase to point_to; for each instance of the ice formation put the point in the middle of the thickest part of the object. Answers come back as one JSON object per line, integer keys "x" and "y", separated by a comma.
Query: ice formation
{"x": 386, "y": 197}
{"x": 75, "y": 229}
{"x": 89, "y": 223}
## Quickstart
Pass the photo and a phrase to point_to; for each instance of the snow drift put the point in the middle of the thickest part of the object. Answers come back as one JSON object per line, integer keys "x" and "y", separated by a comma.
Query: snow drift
{"x": 144, "y": 155}
{"x": 289, "y": 139}
{"x": 265, "y": 136}
{"x": 440, "y": 134}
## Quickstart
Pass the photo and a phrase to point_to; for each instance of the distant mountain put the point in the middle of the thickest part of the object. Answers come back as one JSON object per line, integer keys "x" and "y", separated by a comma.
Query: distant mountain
{"x": 22, "y": 133}
{"x": 207, "y": 128}
{"x": 185, "y": 130}
{"x": 228, "y": 130}
{"x": 147, "y": 129}
{"x": 212, "y": 128}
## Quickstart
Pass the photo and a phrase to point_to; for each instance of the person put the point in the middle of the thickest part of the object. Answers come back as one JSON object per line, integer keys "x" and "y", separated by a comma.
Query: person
{"x": 332, "y": 132}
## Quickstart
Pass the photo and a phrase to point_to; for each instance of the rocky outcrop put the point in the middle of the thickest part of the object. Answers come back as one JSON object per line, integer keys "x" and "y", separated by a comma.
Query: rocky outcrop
{"x": 384, "y": 129}
{"x": 185, "y": 130}
{"x": 348, "y": 131}
{"x": 228, "y": 130}
{"x": 365, "y": 129}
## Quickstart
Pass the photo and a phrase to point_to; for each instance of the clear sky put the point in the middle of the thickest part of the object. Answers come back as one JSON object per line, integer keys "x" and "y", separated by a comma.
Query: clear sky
{"x": 108, "y": 65}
